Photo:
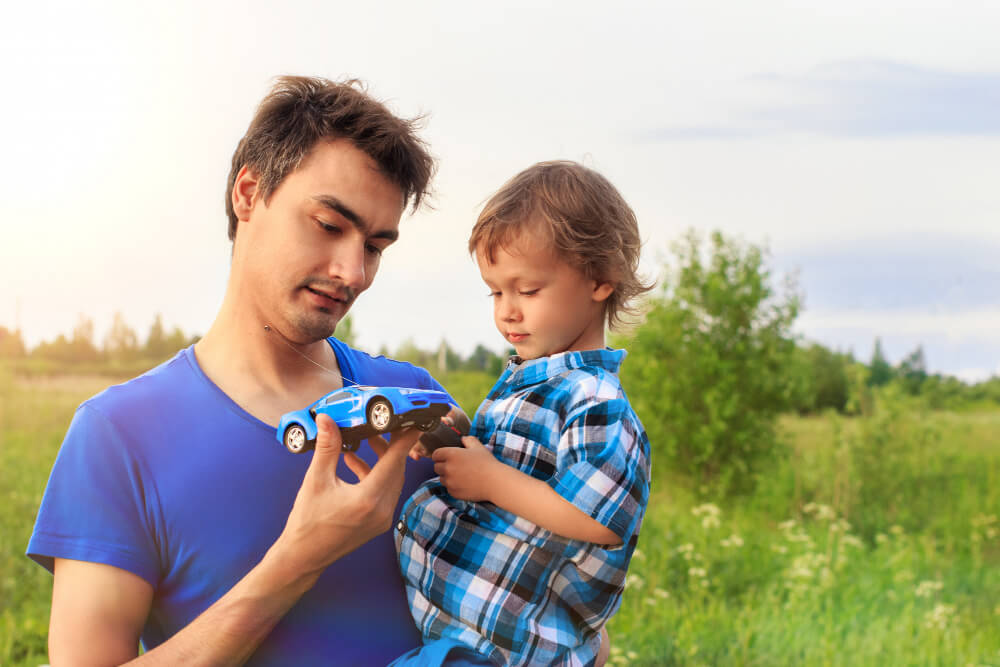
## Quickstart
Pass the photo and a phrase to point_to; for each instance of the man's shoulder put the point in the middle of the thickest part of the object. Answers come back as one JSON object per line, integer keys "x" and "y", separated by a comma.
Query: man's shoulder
{"x": 170, "y": 379}
{"x": 365, "y": 368}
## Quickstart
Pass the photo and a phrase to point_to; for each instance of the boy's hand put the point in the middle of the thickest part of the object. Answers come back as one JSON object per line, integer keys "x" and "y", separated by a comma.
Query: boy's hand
{"x": 468, "y": 471}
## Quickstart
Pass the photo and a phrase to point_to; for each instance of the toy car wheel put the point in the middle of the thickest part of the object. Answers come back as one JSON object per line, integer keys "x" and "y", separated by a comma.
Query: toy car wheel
{"x": 295, "y": 439}
{"x": 380, "y": 414}
{"x": 429, "y": 424}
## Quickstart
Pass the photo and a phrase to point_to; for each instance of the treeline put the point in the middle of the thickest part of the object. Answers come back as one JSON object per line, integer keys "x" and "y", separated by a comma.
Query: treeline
{"x": 830, "y": 380}
{"x": 120, "y": 346}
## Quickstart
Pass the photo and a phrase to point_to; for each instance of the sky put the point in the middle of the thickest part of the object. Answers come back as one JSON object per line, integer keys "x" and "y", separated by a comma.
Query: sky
{"x": 858, "y": 143}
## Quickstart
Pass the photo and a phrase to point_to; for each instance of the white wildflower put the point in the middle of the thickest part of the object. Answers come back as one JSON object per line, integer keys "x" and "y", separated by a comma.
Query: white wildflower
{"x": 939, "y": 616}
{"x": 881, "y": 538}
{"x": 697, "y": 572}
{"x": 638, "y": 555}
{"x": 926, "y": 589}
{"x": 661, "y": 593}
{"x": 896, "y": 529}
{"x": 852, "y": 541}
{"x": 733, "y": 540}
{"x": 707, "y": 509}
{"x": 825, "y": 513}
{"x": 710, "y": 521}
{"x": 779, "y": 548}
{"x": 787, "y": 525}
{"x": 634, "y": 581}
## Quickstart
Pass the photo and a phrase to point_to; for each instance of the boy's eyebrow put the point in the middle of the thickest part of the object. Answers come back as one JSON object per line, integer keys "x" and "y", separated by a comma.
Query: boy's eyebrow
{"x": 334, "y": 204}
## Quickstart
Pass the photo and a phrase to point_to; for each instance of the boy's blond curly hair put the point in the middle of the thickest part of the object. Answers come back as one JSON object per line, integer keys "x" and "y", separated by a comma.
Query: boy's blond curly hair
{"x": 584, "y": 218}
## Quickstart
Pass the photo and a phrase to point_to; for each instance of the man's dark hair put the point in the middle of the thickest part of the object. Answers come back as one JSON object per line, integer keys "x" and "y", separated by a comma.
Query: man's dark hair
{"x": 301, "y": 111}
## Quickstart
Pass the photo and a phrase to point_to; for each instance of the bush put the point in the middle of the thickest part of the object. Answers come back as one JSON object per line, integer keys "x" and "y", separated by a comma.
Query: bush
{"x": 710, "y": 365}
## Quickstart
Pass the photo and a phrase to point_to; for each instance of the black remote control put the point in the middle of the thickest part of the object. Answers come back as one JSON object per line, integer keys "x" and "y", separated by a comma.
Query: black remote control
{"x": 446, "y": 434}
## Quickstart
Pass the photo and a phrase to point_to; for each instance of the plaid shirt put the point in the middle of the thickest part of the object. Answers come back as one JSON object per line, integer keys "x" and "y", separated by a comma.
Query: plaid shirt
{"x": 497, "y": 582}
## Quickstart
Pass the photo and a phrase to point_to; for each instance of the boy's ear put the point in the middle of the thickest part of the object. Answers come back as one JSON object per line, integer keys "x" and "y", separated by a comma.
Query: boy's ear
{"x": 244, "y": 193}
{"x": 602, "y": 291}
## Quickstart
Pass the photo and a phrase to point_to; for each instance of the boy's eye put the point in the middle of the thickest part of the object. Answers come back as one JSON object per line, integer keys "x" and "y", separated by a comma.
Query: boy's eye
{"x": 528, "y": 292}
{"x": 493, "y": 295}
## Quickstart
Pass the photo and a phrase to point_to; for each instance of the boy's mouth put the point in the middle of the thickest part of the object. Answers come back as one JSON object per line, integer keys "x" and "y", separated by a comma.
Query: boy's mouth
{"x": 516, "y": 337}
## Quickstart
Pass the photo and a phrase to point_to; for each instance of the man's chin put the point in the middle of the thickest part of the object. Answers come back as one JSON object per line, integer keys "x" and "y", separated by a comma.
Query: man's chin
{"x": 311, "y": 329}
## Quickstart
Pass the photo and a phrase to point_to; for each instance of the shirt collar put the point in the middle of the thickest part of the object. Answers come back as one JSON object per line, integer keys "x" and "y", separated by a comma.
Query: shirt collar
{"x": 520, "y": 373}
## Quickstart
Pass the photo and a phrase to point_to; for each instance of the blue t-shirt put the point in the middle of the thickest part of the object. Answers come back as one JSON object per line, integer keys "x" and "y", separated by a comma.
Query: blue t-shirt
{"x": 166, "y": 477}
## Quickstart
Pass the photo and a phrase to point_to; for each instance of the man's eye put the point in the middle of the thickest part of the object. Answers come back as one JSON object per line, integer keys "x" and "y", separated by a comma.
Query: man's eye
{"x": 327, "y": 227}
{"x": 373, "y": 250}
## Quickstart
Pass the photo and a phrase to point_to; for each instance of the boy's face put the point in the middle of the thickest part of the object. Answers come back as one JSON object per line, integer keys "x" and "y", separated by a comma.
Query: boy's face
{"x": 541, "y": 304}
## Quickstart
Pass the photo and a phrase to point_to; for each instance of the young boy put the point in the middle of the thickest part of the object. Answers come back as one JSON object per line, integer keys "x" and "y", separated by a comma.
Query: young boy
{"x": 519, "y": 549}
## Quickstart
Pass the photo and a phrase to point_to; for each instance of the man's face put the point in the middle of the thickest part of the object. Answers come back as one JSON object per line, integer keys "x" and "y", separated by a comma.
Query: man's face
{"x": 315, "y": 245}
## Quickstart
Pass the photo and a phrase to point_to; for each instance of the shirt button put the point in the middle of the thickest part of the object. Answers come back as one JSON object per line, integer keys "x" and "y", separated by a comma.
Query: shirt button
{"x": 401, "y": 527}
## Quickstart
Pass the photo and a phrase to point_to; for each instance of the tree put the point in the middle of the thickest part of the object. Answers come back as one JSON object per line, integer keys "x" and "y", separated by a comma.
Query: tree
{"x": 11, "y": 344}
{"x": 485, "y": 360}
{"x": 120, "y": 343}
{"x": 345, "y": 331}
{"x": 81, "y": 345}
{"x": 708, "y": 372}
{"x": 912, "y": 371}
{"x": 879, "y": 370}
{"x": 822, "y": 379}
{"x": 156, "y": 342}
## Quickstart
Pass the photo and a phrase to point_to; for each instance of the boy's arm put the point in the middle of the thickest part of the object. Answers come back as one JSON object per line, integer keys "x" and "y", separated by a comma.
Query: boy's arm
{"x": 472, "y": 473}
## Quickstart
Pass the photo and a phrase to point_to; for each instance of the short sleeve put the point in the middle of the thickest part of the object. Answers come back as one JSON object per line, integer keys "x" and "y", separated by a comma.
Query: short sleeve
{"x": 602, "y": 464}
{"x": 96, "y": 506}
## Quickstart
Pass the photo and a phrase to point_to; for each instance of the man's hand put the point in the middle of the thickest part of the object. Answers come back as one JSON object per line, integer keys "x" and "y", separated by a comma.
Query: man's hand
{"x": 332, "y": 517}
{"x": 468, "y": 472}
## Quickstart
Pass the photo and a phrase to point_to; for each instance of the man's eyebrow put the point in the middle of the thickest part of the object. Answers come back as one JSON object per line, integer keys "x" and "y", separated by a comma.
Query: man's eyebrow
{"x": 334, "y": 204}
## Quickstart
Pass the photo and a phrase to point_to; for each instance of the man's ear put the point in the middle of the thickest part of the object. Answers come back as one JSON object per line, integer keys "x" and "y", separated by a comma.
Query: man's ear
{"x": 602, "y": 291}
{"x": 245, "y": 192}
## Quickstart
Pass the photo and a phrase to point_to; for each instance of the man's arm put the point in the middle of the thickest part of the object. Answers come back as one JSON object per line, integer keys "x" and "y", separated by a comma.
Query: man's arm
{"x": 472, "y": 473}
{"x": 98, "y": 611}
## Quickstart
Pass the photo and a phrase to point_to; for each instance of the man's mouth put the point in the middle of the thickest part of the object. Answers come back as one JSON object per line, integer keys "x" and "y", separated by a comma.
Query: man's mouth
{"x": 332, "y": 298}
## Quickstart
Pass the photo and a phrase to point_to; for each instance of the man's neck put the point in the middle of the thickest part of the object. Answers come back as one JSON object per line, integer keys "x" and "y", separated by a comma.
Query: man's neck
{"x": 262, "y": 371}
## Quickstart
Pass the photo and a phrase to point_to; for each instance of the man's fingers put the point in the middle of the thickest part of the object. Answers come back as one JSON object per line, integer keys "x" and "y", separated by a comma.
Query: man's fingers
{"x": 357, "y": 465}
{"x": 391, "y": 456}
{"x": 328, "y": 447}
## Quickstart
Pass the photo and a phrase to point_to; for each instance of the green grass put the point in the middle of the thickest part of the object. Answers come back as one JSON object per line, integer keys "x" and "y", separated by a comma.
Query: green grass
{"x": 893, "y": 557}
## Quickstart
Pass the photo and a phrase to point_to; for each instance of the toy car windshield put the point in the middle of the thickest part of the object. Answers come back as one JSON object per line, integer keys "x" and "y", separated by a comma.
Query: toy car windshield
{"x": 361, "y": 412}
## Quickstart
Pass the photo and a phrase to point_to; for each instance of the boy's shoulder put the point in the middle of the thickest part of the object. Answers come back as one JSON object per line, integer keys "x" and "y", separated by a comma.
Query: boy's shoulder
{"x": 591, "y": 375}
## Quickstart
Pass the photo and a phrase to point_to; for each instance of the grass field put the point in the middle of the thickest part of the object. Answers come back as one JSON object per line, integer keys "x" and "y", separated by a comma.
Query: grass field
{"x": 875, "y": 543}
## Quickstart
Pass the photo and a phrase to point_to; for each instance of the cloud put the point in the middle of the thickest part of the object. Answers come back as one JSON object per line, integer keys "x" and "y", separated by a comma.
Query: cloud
{"x": 936, "y": 275}
{"x": 858, "y": 98}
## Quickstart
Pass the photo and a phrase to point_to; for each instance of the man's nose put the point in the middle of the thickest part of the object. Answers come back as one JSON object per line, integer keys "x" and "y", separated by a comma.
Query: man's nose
{"x": 348, "y": 265}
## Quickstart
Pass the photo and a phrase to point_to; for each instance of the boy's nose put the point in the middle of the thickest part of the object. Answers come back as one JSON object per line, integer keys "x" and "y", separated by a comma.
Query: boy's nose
{"x": 508, "y": 311}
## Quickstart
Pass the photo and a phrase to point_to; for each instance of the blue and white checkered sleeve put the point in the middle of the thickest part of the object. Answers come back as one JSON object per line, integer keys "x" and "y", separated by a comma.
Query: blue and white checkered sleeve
{"x": 602, "y": 464}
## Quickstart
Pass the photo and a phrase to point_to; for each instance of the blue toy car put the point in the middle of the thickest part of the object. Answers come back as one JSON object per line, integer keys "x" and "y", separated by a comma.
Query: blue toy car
{"x": 361, "y": 412}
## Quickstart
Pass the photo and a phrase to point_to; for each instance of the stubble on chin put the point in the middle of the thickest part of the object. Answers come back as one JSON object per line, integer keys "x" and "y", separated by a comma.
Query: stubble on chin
{"x": 311, "y": 327}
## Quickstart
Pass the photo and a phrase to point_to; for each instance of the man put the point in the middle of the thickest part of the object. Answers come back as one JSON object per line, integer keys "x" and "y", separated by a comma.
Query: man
{"x": 172, "y": 513}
